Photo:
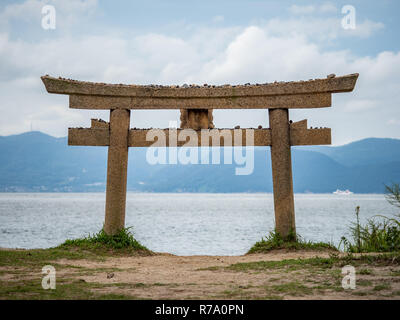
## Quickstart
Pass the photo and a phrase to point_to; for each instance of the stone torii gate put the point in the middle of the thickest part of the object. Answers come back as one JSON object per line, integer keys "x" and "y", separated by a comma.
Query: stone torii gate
{"x": 196, "y": 104}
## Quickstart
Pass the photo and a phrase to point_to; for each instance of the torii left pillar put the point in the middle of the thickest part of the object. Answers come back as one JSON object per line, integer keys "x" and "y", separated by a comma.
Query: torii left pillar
{"x": 282, "y": 180}
{"x": 117, "y": 170}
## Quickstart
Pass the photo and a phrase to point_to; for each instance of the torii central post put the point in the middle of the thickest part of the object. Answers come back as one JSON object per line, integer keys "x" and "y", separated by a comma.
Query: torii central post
{"x": 196, "y": 104}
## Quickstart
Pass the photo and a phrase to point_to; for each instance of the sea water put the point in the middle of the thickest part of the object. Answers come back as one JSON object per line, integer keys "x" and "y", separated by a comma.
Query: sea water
{"x": 180, "y": 223}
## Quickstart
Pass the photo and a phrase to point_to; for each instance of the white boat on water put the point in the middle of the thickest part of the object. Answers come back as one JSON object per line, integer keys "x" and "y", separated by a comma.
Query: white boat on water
{"x": 346, "y": 192}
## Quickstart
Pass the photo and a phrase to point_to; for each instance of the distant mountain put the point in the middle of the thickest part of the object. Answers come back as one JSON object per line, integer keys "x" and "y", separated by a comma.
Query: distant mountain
{"x": 35, "y": 161}
{"x": 369, "y": 151}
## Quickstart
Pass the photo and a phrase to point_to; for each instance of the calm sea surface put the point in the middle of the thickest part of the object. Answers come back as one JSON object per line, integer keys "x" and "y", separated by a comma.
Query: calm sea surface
{"x": 183, "y": 224}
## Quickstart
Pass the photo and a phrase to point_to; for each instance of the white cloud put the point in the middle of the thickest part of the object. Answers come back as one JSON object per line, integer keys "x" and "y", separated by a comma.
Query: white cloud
{"x": 359, "y": 105}
{"x": 313, "y": 21}
{"x": 26, "y": 11}
{"x": 328, "y": 7}
{"x": 296, "y": 9}
{"x": 364, "y": 29}
{"x": 321, "y": 30}
{"x": 69, "y": 13}
{"x": 218, "y": 18}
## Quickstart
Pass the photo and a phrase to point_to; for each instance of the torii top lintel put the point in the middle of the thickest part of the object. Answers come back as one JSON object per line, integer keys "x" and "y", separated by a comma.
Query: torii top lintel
{"x": 300, "y": 94}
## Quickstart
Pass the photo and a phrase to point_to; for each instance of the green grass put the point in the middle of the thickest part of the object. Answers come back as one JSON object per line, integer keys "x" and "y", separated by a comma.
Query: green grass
{"x": 379, "y": 234}
{"x": 324, "y": 264}
{"x": 317, "y": 276}
{"x": 395, "y": 273}
{"x": 291, "y": 264}
{"x": 291, "y": 288}
{"x": 375, "y": 236}
{"x": 321, "y": 274}
{"x": 380, "y": 287}
{"x": 364, "y": 283}
{"x": 40, "y": 257}
{"x": 123, "y": 242}
{"x": 365, "y": 271}
{"x": 65, "y": 289}
{"x": 95, "y": 247}
{"x": 274, "y": 241}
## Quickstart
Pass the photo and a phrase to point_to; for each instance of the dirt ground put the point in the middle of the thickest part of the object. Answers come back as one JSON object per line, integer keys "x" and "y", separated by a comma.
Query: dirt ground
{"x": 185, "y": 277}
{"x": 273, "y": 275}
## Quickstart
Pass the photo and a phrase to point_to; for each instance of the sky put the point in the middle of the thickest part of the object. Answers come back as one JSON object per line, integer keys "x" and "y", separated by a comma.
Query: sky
{"x": 213, "y": 42}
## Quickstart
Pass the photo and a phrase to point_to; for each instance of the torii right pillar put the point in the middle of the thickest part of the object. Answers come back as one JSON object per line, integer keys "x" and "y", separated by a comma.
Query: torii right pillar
{"x": 282, "y": 179}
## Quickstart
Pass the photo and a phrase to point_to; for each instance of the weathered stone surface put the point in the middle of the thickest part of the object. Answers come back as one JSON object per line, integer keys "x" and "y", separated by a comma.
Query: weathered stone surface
{"x": 299, "y": 124}
{"x": 262, "y": 137}
{"x": 137, "y": 137}
{"x": 314, "y": 100}
{"x": 88, "y": 137}
{"x": 99, "y": 124}
{"x": 327, "y": 85}
{"x": 282, "y": 172}
{"x": 308, "y": 137}
{"x": 302, "y": 94}
{"x": 117, "y": 170}
{"x": 196, "y": 119}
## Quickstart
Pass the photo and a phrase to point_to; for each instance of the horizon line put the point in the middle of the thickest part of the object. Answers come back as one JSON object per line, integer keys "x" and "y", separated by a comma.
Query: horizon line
{"x": 332, "y": 145}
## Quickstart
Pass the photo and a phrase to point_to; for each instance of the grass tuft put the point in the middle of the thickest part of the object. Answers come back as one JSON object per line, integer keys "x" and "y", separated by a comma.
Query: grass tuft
{"x": 122, "y": 241}
{"x": 274, "y": 241}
